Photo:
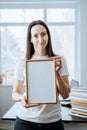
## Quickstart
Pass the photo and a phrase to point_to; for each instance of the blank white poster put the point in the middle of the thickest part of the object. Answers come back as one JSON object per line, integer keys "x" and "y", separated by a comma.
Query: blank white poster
{"x": 41, "y": 86}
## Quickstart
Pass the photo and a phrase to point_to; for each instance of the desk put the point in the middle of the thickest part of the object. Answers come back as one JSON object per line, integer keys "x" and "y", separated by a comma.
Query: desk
{"x": 70, "y": 122}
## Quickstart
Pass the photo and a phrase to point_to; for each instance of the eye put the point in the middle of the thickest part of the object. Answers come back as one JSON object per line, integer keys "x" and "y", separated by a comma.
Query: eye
{"x": 36, "y": 36}
{"x": 43, "y": 34}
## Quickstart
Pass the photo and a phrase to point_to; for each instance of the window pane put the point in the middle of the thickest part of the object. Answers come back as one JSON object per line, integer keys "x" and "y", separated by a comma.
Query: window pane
{"x": 13, "y": 38}
{"x": 21, "y": 15}
{"x": 63, "y": 43}
{"x": 60, "y": 15}
{"x": 13, "y": 46}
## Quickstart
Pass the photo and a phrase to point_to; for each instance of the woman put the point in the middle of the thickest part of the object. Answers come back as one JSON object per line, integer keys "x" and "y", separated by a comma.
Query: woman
{"x": 38, "y": 116}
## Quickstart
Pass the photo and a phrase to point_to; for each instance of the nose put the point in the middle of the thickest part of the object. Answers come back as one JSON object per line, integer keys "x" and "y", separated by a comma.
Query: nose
{"x": 40, "y": 39}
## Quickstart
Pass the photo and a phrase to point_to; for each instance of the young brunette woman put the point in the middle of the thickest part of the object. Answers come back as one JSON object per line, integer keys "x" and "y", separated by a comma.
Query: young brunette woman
{"x": 40, "y": 116}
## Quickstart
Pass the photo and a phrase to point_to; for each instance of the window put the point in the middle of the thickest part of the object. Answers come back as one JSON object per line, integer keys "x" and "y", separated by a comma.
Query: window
{"x": 61, "y": 19}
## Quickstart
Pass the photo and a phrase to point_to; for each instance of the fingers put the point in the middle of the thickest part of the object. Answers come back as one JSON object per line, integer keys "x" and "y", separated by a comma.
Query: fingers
{"x": 58, "y": 62}
{"x": 26, "y": 104}
{"x": 31, "y": 105}
{"x": 55, "y": 57}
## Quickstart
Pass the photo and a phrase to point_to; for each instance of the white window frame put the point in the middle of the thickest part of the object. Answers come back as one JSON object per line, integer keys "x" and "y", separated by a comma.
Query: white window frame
{"x": 48, "y": 5}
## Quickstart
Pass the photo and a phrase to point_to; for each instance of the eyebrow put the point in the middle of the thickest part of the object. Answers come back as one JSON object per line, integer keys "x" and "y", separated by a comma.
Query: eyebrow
{"x": 41, "y": 32}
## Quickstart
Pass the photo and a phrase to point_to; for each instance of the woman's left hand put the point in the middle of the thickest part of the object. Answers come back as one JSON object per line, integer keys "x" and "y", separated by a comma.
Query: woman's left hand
{"x": 58, "y": 62}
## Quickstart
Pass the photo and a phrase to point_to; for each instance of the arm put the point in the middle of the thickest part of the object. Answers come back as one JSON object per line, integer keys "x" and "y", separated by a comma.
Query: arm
{"x": 17, "y": 94}
{"x": 62, "y": 81}
{"x": 17, "y": 91}
{"x": 63, "y": 85}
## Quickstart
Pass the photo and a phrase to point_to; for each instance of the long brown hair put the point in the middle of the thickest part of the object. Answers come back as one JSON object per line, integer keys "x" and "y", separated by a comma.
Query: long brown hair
{"x": 30, "y": 48}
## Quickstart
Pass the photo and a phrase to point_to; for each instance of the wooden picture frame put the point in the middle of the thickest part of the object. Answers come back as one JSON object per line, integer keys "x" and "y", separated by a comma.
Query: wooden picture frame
{"x": 41, "y": 81}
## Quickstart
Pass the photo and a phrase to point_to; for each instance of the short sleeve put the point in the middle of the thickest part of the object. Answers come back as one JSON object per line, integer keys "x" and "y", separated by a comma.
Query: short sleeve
{"x": 19, "y": 71}
{"x": 64, "y": 69}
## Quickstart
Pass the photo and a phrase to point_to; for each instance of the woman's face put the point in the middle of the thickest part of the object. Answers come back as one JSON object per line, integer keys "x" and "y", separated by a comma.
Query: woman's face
{"x": 39, "y": 37}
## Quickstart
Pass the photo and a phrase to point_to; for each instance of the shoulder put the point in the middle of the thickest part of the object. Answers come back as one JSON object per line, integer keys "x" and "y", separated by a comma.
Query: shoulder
{"x": 63, "y": 59}
{"x": 64, "y": 68}
{"x": 19, "y": 70}
{"x": 21, "y": 61}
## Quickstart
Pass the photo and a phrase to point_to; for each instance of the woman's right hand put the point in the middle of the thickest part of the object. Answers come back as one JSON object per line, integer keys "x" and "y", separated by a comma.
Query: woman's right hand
{"x": 26, "y": 104}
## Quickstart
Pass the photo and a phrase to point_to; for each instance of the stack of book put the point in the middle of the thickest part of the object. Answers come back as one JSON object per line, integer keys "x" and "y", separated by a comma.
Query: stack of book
{"x": 79, "y": 101}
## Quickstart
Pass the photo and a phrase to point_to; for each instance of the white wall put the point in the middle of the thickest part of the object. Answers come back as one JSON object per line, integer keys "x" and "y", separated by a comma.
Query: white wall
{"x": 5, "y": 99}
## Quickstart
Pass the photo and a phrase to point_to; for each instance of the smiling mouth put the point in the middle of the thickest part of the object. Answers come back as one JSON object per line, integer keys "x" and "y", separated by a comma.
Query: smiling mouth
{"x": 41, "y": 44}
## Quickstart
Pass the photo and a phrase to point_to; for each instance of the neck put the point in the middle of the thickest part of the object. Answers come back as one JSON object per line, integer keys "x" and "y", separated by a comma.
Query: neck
{"x": 38, "y": 53}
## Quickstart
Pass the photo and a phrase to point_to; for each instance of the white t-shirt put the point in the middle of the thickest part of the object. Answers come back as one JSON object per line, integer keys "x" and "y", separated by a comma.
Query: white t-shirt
{"x": 45, "y": 113}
